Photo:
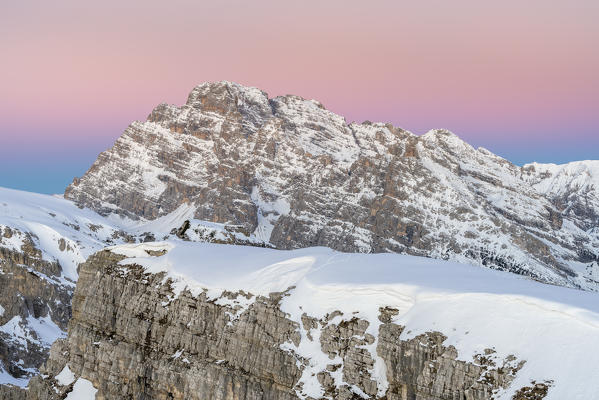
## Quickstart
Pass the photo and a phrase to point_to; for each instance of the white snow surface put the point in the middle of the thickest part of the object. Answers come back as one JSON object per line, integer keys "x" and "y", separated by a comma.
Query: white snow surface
{"x": 82, "y": 390}
{"x": 41, "y": 331}
{"x": 8, "y": 379}
{"x": 65, "y": 377}
{"x": 554, "y": 329}
{"x": 560, "y": 178}
{"x": 48, "y": 219}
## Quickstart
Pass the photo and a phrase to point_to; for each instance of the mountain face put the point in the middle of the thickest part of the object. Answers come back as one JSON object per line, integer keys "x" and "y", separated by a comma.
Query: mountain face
{"x": 572, "y": 188}
{"x": 287, "y": 173}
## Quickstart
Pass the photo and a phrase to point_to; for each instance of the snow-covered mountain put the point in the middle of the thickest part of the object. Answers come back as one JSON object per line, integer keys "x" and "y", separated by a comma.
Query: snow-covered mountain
{"x": 43, "y": 239}
{"x": 288, "y": 173}
{"x": 572, "y": 188}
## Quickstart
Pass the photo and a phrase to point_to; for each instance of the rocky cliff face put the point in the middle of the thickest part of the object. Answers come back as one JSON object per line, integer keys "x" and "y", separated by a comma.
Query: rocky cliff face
{"x": 35, "y": 309}
{"x": 42, "y": 240}
{"x": 288, "y": 173}
{"x": 132, "y": 338}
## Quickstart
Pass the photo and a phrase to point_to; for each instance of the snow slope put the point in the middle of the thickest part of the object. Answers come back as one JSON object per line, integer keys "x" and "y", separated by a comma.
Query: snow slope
{"x": 573, "y": 188}
{"x": 554, "y": 329}
{"x": 559, "y": 178}
{"x": 49, "y": 219}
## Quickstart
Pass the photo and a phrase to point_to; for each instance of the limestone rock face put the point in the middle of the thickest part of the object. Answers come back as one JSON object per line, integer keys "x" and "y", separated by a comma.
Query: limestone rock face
{"x": 290, "y": 174}
{"x": 36, "y": 307}
{"x": 133, "y": 340}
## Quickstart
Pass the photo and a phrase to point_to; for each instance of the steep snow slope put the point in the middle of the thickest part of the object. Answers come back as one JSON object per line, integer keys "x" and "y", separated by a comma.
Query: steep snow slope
{"x": 59, "y": 229}
{"x": 289, "y": 173}
{"x": 554, "y": 330}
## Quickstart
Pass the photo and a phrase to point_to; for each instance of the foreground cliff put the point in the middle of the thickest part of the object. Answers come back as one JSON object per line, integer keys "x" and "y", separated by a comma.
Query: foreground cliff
{"x": 43, "y": 239}
{"x": 202, "y": 321}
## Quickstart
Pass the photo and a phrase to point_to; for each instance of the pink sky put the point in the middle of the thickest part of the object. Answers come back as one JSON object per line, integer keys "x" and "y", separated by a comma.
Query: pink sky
{"x": 520, "y": 78}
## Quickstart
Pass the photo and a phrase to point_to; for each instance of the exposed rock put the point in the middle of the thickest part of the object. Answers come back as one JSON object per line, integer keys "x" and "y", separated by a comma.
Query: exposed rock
{"x": 182, "y": 229}
{"x": 537, "y": 391}
{"x": 31, "y": 291}
{"x": 8, "y": 392}
{"x": 290, "y": 174}
{"x": 132, "y": 339}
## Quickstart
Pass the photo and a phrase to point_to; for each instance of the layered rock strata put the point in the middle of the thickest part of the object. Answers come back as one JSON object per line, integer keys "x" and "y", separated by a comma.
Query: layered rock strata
{"x": 133, "y": 339}
{"x": 35, "y": 308}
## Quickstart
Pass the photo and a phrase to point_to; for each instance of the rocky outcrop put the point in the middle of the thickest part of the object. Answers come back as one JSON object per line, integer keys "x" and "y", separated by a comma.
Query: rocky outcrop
{"x": 35, "y": 305}
{"x": 132, "y": 338}
{"x": 288, "y": 173}
{"x": 9, "y": 392}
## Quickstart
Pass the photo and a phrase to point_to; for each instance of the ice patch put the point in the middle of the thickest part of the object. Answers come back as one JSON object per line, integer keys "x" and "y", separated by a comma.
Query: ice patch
{"x": 82, "y": 390}
{"x": 65, "y": 377}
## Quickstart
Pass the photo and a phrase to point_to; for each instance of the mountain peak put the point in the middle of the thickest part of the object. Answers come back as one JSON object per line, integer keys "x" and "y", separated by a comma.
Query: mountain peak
{"x": 228, "y": 97}
{"x": 287, "y": 173}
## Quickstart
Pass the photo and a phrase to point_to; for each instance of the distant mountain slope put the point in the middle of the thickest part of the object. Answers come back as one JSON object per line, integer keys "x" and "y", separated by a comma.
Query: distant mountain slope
{"x": 289, "y": 173}
{"x": 573, "y": 188}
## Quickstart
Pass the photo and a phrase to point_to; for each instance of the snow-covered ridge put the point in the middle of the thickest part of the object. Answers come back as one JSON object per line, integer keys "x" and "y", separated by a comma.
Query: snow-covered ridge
{"x": 50, "y": 220}
{"x": 572, "y": 187}
{"x": 557, "y": 178}
{"x": 553, "y": 329}
{"x": 561, "y": 178}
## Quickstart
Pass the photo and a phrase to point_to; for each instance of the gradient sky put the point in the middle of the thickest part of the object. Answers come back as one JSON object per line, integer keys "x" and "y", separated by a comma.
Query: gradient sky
{"x": 520, "y": 78}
